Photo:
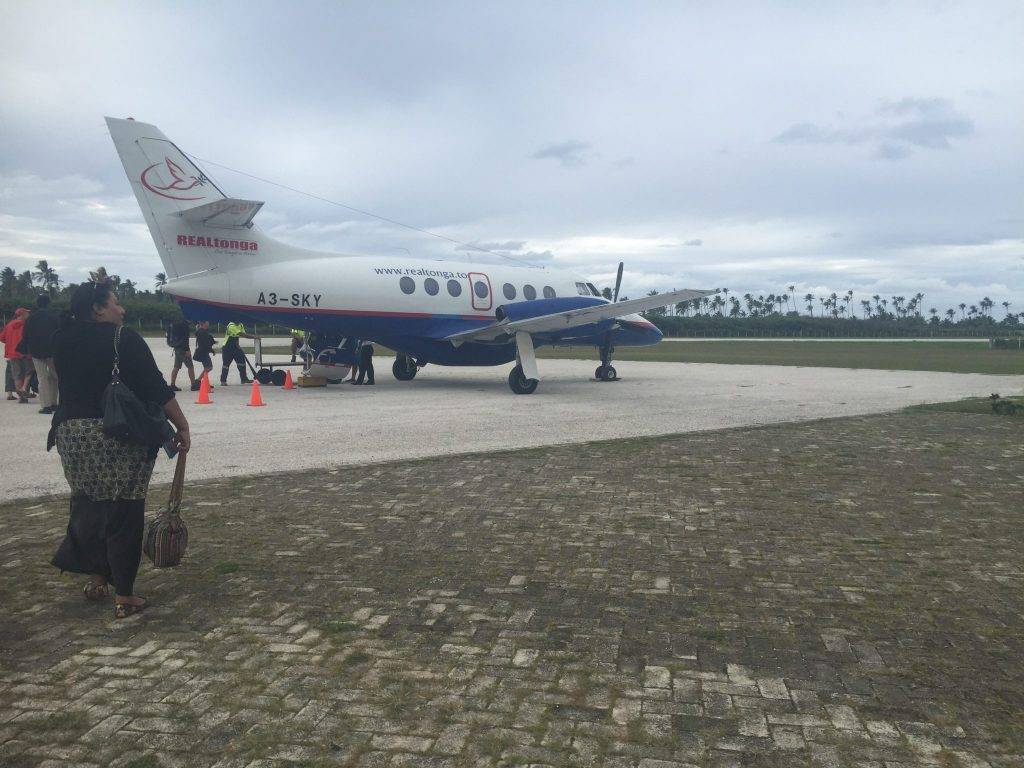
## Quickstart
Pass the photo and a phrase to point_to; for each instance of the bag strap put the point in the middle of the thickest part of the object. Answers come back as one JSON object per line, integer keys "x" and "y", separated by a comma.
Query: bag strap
{"x": 178, "y": 484}
{"x": 115, "y": 373}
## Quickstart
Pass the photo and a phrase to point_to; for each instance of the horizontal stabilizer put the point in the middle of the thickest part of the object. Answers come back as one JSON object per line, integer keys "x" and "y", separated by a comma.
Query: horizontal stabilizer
{"x": 229, "y": 213}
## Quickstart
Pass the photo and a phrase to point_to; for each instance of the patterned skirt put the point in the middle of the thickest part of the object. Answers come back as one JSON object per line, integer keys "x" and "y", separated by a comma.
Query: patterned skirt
{"x": 99, "y": 466}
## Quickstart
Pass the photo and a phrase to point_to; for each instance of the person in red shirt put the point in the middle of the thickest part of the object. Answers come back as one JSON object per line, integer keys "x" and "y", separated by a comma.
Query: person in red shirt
{"x": 20, "y": 365}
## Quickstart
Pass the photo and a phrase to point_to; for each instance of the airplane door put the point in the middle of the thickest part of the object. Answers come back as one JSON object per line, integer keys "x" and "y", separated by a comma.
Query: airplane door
{"x": 480, "y": 290}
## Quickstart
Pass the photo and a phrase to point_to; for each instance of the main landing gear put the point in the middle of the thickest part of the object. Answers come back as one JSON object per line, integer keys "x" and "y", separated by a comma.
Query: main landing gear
{"x": 404, "y": 368}
{"x": 518, "y": 382}
{"x": 523, "y": 379}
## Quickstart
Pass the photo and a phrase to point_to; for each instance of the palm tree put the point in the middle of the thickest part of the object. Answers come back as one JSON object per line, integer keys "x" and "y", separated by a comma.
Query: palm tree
{"x": 809, "y": 301}
{"x": 1006, "y": 306}
{"x": 935, "y": 314}
{"x": 161, "y": 281}
{"x": 866, "y": 306}
{"x": 950, "y": 314}
{"x": 8, "y": 281}
{"x": 962, "y": 308}
{"x": 47, "y": 277}
{"x": 792, "y": 288}
{"x": 23, "y": 283}
{"x": 99, "y": 275}
{"x": 986, "y": 305}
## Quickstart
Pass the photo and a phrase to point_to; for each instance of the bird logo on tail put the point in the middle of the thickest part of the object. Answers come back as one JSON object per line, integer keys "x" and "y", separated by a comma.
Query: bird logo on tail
{"x": 178, "y": 187}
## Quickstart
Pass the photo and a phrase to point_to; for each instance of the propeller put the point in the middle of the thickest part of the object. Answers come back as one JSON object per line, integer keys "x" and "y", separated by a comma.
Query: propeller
{"x": 618, "y": 282}
{"x": 606, "y": 348}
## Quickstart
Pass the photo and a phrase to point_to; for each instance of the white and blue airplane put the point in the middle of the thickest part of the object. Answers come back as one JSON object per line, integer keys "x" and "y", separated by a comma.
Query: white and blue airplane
{"x": 222, "y": 268}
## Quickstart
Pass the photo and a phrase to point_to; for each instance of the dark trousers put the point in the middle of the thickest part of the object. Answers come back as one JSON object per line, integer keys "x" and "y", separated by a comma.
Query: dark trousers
{"x": 365, "y": 371}
{"x": 232, "y": 353}
{"x": 104, "y": 539}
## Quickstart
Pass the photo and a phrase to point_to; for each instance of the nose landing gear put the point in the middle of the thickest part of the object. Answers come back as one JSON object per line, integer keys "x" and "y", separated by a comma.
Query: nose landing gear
{"x": 605, "y": 371}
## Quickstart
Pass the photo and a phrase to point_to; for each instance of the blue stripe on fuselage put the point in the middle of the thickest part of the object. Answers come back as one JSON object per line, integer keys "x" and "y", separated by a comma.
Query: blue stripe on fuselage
{"x": 422, "y": 336}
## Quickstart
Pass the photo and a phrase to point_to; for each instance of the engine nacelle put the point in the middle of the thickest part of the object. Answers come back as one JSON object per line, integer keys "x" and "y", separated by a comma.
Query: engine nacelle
{"x": 524, "y": 310}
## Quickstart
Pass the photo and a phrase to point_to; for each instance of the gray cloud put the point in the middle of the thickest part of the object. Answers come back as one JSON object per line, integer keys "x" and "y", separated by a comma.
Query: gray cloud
{"x": 694, "y": 243}
{"x": 384, "y": 109}
{"x": 507, "y": 245}
{"x": 571, "y": 154}
{"x": 895, "y": 129}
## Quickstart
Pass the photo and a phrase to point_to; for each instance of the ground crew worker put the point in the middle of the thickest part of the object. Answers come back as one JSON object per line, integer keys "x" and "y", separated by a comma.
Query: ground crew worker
{"x": 177, "y": 339}
{"x": 365, "y": 363}
{"x": 204, "y": 346}
{"x": 296, "y": 341}
{"x": 231, "y": 351}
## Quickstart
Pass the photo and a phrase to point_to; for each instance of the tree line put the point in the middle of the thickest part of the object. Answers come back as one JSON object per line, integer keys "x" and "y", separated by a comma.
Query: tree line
{"x": 774, "y": 314}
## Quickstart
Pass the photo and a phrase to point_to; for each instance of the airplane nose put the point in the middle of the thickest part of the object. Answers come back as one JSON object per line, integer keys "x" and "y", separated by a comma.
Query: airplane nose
{"x": 655, "y": 334}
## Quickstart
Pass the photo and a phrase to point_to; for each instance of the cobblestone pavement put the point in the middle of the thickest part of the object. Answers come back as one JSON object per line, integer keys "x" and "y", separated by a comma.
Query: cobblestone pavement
{"x": 837, "y": 593}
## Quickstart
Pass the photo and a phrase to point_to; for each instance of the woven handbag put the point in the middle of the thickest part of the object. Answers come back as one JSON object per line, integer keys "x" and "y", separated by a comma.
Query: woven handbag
{"x": 166, "y": 534}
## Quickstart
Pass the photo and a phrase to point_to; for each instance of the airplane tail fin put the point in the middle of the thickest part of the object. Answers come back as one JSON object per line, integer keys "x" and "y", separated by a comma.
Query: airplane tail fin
{"x": 195, "y": 226}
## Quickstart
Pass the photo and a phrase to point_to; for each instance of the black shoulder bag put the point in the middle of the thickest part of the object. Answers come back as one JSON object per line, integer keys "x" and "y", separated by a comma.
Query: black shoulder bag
{"x": 128, "y": 418}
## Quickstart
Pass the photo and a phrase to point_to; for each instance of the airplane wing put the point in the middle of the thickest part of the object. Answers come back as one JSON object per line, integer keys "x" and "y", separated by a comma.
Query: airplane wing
{"x": 575, "y": 317}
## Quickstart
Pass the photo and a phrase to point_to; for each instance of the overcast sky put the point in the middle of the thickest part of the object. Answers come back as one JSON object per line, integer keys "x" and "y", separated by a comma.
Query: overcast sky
{"x": 877, "y": 147}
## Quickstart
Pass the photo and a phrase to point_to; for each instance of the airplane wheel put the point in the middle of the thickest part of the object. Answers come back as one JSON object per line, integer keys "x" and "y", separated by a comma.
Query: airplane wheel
{"x": 277, "y": 378}
{"x": 264, "y": 376}
{"x": 519, "y": 384}
{"x": 610, "y": 374}
{"x": 599, "y": 373}
{"x": 404, "y": 368}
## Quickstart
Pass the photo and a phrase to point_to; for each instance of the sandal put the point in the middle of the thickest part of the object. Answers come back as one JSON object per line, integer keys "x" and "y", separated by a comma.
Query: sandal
{"x": 124, "y": 610}
{"x": 96, "y": 593}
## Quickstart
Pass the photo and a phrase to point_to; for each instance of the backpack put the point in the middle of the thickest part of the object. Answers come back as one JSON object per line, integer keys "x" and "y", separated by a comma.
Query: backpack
{"x": 174, "y": 337}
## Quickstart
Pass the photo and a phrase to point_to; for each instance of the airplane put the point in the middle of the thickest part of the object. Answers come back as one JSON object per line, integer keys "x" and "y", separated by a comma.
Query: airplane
{"x": 221, "y": 268}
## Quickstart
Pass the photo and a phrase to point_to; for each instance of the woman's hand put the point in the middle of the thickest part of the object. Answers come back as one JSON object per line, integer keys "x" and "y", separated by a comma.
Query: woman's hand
{"x": 182, "y": 440}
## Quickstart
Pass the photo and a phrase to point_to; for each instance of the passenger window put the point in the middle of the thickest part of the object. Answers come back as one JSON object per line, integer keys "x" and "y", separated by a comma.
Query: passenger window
{"x": 509, "y": 290}
{"x": 529, "y": 292}
{"x": 407, "y": 284}
{"x": 480, "y": 289}
{"x": 454, "y": 287}
{"x": 430, "y": 286}
{"x": 549, "y": 292}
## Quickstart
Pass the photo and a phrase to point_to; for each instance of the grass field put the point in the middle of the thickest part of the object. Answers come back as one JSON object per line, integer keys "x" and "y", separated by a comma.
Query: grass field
{"x": 956, "y": 357}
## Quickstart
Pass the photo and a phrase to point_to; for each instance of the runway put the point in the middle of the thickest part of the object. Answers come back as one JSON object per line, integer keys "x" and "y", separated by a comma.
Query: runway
{"x": 453, "y": 410}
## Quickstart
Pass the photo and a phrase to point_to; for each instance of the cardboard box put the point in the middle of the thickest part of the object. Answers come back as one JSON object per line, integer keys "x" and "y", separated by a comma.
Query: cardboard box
{"x": 311, "y": 381}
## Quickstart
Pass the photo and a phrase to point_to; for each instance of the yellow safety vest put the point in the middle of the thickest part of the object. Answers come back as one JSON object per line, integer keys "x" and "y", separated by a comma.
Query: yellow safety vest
{"x": 234, "y": 331}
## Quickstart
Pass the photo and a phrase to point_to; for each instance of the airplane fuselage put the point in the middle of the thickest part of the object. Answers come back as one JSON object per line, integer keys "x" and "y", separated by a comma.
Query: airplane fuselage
{"x": 410, "y": 305}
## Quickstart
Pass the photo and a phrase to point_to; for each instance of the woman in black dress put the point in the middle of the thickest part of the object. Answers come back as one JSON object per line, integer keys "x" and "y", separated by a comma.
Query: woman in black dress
{"x": 108, "y": 478}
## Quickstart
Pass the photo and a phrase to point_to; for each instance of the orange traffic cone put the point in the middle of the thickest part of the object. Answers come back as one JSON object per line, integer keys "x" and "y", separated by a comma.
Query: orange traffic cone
{"x": 255, "y": 399}
{"x": 288, "y": 384}
{"x": 204, "y": 390}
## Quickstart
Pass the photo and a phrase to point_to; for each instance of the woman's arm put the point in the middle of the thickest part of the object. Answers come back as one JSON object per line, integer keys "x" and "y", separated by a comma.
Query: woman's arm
{"x": 183, "y": 440}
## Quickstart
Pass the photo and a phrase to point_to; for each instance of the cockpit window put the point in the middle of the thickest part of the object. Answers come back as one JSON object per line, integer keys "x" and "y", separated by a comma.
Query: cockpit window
{"x": 582, "y": 290}
{"x": 593, "y": 290}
